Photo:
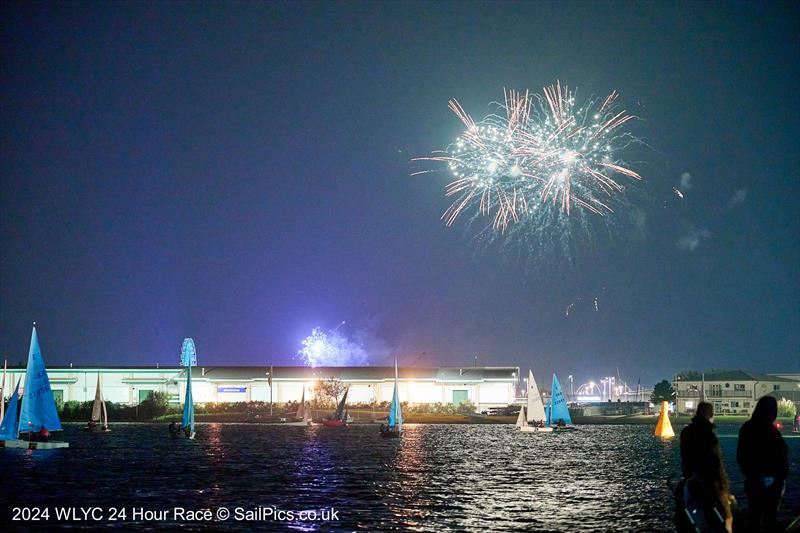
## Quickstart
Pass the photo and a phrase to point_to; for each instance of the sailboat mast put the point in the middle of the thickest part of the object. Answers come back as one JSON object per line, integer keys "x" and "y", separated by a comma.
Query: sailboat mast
{"x": 397, "y": 416}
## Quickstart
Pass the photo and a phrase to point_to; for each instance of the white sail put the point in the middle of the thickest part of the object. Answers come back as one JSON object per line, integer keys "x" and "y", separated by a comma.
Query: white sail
{"x": 301, "y": 409}
{"x": 303, "y": 412}
{"x": 535, "y": 405}
{"x": 105, "y": 416}
{"x": 97, "y": 406}
{"x": 522, "y": 420}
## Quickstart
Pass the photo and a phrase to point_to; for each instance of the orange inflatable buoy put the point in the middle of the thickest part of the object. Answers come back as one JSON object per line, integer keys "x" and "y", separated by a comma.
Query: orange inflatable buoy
{"x": 664, "y": 428}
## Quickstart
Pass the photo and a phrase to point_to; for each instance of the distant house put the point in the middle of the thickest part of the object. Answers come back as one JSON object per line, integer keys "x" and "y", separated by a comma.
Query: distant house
{"x": 733, "y": 392}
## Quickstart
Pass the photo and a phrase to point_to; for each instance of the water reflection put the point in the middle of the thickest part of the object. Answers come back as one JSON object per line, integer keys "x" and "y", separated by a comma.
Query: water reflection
{"x": 435, "y": 478}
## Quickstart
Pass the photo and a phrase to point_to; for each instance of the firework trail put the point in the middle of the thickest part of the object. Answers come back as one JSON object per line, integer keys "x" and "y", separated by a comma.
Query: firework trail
{"x": 595, "y": 302}
{"x": 540, "y": 160}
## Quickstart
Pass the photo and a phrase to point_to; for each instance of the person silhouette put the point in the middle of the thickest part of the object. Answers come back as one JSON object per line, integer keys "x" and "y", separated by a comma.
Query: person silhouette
{"x": 763, "y": 458}
{"x": 704, "y": 491}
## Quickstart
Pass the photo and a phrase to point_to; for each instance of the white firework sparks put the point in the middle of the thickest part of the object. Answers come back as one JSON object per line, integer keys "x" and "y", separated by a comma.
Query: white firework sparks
{"x": 544, "y": 153}
{"x": 332, "y": 348}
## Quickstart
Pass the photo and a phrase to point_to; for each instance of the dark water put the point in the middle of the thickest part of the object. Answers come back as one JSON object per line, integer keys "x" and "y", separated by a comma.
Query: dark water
{"x": 437, "y": 478}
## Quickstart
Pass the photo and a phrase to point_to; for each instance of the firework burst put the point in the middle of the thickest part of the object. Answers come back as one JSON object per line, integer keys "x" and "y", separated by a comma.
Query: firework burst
{"x": 541, "y": 158}
{"x": 332, "y": 348}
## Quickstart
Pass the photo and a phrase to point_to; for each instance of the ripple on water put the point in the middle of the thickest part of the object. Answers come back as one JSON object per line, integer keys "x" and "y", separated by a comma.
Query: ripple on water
{"x": 437, "y": 478}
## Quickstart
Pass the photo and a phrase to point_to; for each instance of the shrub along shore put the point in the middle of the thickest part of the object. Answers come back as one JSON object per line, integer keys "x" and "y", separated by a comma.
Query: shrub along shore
{"x": 157, "y": 408}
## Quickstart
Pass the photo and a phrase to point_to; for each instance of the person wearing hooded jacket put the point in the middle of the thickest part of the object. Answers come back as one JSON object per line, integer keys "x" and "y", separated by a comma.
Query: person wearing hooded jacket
{"x": 763, "y": 458}
{"x": 702, "y": 466}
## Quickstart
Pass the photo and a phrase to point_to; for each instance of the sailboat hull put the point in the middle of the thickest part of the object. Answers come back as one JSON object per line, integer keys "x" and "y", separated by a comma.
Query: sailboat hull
{"x": 391, "y": 434}
{"x": 302, "y": 423}
{"x": 334, "y": 423}
{"x": 32, "y": 445}
{"x": 536, "y": 429}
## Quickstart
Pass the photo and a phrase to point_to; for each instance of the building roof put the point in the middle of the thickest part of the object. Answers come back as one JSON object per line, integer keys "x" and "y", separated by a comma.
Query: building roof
{"x": 741, "y": 375}
{"x": 346, "y": 373}
{"x": 792, "y": 395}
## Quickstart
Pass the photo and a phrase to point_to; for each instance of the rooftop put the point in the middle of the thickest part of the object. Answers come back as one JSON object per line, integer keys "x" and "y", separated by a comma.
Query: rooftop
{"x": 347, "y": 373}
{"x": 740, "y": 375}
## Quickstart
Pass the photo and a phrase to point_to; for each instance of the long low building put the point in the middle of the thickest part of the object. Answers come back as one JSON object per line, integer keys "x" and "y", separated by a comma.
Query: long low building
{"x": 483, "y": 386}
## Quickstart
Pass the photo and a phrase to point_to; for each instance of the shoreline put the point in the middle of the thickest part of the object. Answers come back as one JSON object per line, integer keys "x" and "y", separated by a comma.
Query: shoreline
{"x": 642, "y": 420}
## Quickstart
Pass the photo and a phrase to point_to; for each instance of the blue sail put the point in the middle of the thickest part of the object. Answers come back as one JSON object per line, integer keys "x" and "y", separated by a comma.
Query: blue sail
{"x": 395, "y": 414}
{"x": 8, "y": 428}
{"x": 188, "y": 405}
{"x": 38, "y": 405}
{"x": 558, "y": 409}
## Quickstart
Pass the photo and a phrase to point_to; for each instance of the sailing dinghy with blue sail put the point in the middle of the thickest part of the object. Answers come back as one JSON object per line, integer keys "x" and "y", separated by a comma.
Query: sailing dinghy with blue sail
{"x": 187, "y": 420}
{"x": 394, "y": 428}
{"x": 557, "y": 410}
{"x": 188, "y": 360}
{"x": 3, "y": 391}
{"x": 9, "y": 427}
{"x": 532, "y": 416}
{"x": 38, "y": 416}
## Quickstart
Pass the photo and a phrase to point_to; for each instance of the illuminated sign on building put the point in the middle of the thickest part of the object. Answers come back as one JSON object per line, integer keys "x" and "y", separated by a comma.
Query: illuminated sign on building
{"x": 232, "y": 389}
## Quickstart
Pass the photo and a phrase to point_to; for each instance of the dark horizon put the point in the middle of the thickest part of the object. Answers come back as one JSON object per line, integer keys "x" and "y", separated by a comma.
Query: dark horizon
{"x": 241, "y": 174}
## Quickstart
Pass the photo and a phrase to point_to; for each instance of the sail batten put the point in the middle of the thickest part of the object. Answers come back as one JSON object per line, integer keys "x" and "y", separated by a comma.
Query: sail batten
{"x": 38, "y": 406}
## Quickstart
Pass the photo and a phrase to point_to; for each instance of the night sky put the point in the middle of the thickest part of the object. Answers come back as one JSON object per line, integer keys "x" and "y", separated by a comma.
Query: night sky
{"x": 241, "y": 173}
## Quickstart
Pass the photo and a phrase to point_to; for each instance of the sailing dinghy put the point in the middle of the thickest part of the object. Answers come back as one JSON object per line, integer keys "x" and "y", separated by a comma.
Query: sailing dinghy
{"x": 339, "y": 418}
{"x": 303, "y": 413}
{"x": 99, "y": 412}
{"x": 38, "y": 416}
{"x": 557, "y": 410}
{"x": 394, "y": 428}
{"x": 522, "y": 420}
{"x": 9, "y": 427}
{"x": 534, "y": 415}
{"x": 3, "y": 392}
{"x": 187, "y": 420}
